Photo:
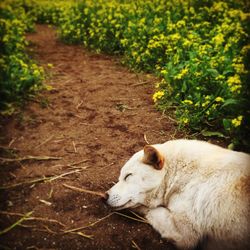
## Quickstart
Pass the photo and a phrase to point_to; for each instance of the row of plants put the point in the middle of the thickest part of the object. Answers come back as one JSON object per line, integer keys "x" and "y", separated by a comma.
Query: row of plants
{"x": 19, "y": 75}
{"x": 199, "y": 50}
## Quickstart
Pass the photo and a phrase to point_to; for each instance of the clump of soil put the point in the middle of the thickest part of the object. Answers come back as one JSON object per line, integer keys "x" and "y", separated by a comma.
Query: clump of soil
{"x": 96, "y": 116}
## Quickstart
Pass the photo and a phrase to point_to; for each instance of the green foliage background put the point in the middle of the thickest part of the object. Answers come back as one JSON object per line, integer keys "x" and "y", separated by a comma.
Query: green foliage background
{"x": 19, "y": 75}
{"x": 199, "y": 50}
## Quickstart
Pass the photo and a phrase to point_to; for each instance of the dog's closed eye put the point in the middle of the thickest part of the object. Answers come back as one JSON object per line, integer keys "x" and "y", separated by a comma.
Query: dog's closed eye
{"x": 126, "y": 177}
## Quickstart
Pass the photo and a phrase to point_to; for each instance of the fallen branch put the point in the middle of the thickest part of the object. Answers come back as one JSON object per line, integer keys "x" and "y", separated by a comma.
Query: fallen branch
{"x": 29, "y": 157}
{"x": 42, "y": 179}
{"x": 101, "y": 194}
{"x": 33, "y": 218}
{"x": 6, "y": 230}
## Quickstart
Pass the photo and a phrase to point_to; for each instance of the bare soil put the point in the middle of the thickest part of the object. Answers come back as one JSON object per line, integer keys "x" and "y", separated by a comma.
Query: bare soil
{"x": 96, "y": 116}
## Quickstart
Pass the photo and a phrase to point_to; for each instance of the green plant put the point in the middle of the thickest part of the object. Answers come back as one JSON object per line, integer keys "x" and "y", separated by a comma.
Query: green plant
{"x": 19, "y": 75}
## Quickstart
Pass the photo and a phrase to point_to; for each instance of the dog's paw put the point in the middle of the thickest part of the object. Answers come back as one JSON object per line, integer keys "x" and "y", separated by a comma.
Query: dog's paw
{"x": 157, "y": 215}
{"x": 142, "y": 210}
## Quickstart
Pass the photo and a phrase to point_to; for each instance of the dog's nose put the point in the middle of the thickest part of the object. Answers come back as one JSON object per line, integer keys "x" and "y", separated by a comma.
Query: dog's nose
{"x": 105, "y": 197}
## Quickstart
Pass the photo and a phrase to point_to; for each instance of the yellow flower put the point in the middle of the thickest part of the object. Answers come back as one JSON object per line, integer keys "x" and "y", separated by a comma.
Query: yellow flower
{"x": 219, "y": 99}
{"x": 220, "y": 77}
{"x": 36, "y": 72}
{"x": 182, "y": 73}
{"x": 158, "y": 95}
{"x": 157, "y": 85}
{"x": 244, "y": 16}
{"x": 50, "y": 65}
{"x": 175, "y": 37}
{"x": 124, "y": 42}
{"x": 219, "y": 6}
{"x": 185, "y": 120}
{"x": 134, "y": 53}
{"x": 180, "y": 24}
{"x": 218, "y": 39}
{"x": 204, "y": 104}
{"x": 239, "y": 68}
{"x": 164, "y": 72}
{"x": 235, "y": 89}
{"x": 234, "y": 80}
{"x": 236, "y": 122}
{"x": 245, "y": 49}
{"x": 138, "y": 59}
{"x": 189, "y": 102}
{"x": 187, "y": 43}
{"x": 197, "y": 74}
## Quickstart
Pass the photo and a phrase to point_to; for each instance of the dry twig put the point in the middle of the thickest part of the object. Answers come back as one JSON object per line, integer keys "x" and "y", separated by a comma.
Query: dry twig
{"x": 29, "y": 157}
{"x": 145, "y": 138}
{"x": 132, "y": 218}
{"x": 12, "y": 141}
{"x": 47, "y": 140}
{"x": 33, "y": 218}
{"x": 137, "y": 215}
{"x": 140, "y": 83}
{"x": 89, "y": 225}
{"x": 24, "y": 217}
{"x": 45, "y": 202}
{"x": 101, "y": 194}
{"x": 42, "y": 179}
{"x": 79, "y": 104}
{"x": 74, "y": 146}
{"x": 134, "y": 245}
{"x": 84, "y": 235}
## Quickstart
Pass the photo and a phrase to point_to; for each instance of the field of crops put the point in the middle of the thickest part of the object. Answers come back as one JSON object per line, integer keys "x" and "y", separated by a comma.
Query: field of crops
{"x": 200, "y": 51}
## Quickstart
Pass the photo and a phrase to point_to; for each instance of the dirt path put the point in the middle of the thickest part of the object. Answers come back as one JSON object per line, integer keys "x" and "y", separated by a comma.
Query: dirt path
{"x": 98, "y": 114}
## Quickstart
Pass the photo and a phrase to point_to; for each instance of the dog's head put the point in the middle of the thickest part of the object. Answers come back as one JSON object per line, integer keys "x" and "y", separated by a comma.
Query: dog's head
{"x": 141, "y": 175}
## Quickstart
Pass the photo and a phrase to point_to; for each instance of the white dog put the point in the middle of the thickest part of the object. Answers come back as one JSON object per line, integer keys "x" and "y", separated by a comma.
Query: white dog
{"x": 190, "y": 191}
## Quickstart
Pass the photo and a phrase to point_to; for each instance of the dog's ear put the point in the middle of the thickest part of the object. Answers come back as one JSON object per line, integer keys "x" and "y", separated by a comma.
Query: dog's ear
{"x": 153, "y": 157}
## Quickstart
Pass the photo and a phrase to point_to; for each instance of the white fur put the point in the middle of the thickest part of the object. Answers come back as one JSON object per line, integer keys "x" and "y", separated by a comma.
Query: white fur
{"x": 200, "y": 194}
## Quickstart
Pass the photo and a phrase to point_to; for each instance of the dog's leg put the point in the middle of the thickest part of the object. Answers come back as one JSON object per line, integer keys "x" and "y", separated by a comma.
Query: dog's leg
{"x": 174, "y": 227}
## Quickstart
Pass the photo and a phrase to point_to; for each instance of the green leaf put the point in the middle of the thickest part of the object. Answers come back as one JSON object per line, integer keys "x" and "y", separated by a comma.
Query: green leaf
{"x": 230, "y": 101}
{"x": 212, "y": 133}
{"x": 227, "y": 124}
{"x": 213, "y": 72}
{"x": 184, "y": 87}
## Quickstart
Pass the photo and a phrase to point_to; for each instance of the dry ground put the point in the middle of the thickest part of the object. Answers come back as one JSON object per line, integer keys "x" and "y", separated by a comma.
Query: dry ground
{"x": 96, "y": 116}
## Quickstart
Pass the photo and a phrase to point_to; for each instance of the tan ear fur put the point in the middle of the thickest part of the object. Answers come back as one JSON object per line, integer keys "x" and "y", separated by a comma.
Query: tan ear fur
{"x": 153, "y": 157}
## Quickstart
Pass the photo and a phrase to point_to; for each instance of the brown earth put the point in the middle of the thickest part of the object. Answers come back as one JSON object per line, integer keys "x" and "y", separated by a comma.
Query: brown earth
{"x": 96, "y": 116}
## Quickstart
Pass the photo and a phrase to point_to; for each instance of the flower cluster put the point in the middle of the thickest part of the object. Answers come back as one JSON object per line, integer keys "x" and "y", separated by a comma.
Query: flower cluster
{"x": 199, "y": 49}
{"x": 19, "y": 76}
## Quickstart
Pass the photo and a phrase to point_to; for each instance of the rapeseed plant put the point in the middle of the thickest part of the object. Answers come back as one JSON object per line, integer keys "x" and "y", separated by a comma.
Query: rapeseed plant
{"x": 200, "y": 50}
